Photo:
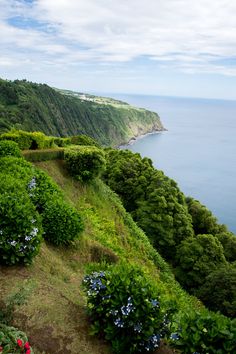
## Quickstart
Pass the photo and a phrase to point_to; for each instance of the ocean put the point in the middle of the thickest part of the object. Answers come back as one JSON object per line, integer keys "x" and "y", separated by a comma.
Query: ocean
{"x": 198, "y": 150}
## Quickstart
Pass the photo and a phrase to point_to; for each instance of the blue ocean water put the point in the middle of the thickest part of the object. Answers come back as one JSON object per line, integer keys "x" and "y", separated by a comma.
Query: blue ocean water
{"x": 198, "y": 150}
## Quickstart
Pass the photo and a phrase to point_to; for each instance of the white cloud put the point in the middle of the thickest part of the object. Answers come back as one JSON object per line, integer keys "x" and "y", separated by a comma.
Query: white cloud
{"x": 190, "y": 35}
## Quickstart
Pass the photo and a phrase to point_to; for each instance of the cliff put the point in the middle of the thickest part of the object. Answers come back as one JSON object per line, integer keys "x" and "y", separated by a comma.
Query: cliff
{"x": 29, "y": 106}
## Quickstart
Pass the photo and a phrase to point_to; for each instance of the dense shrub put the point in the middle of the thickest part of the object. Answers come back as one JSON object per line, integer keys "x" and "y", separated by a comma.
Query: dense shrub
{"x": 62, "y": 224}
{"x": 43, "y": 189}
{"x": 28, "y": 140}
{"x": 13, "y": 341}
{"x": 155, "y": 201}
{"x": 219, "y": 291}
{"x": 62, "y": 142}
{"x": 9, "y": 148}
{"x": 204, "y": 222}
{"x": 124, "y": 307}
{"x": 228, "y": 241}
{"x": 204, "y": 333}
{"x": 85, "y": 162}
{"x": 20, "y": 224}
{"x": 197, "y": 257}
{"x": 83, "y": 140}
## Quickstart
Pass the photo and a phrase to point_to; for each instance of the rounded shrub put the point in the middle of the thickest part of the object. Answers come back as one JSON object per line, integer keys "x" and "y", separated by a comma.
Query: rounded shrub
{"x": 124, "y": 307}
{"x": 203, "y": 332}
{"x": 9, "y": 148}
{"x": 85, "y": 162}
{"x": 20, "y": 223}
{"x": 13, "y": 341}
{"x": 62, "y": 223}
{"x": 42, "y": 189}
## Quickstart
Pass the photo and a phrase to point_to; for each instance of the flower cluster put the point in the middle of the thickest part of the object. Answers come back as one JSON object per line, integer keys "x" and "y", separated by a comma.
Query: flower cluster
{"x": 123, "y": 308}
{"x": 19, "y": 347}
{"x": 25, "y": 348}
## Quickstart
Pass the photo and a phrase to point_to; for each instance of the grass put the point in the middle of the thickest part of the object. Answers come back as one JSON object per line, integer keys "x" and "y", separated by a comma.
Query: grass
{"x": 47, "y": 301}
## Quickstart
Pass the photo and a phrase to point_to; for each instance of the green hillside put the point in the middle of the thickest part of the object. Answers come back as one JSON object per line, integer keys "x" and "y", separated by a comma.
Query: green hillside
{"x": 38, "y": 107}
{"x": 46, "y": 299}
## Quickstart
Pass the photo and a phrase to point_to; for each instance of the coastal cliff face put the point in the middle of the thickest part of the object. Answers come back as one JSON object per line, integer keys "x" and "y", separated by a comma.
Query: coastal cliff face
{"x": 29, "y": 106}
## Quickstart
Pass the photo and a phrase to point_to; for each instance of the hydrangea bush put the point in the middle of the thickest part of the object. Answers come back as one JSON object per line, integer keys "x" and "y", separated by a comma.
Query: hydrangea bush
{"x": 125, "y": 308}
{"x": 203, "y": 332}
{"x": 13, "y": 341}
{"x": 20, "y": 223}
{"x": 62, "y": 223}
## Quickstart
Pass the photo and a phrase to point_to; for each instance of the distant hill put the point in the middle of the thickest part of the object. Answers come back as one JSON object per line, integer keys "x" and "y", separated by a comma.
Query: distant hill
{"x": 31, "y": 106}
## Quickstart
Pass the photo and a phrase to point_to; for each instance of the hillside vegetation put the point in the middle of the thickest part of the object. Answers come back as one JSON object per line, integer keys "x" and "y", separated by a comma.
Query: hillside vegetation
{"x": 84, "y": 250}
{"x": 30, "y": 106}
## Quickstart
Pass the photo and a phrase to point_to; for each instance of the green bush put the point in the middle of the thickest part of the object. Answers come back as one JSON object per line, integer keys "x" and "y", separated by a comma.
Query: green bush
{"x": 124, "y": 308}
{"x": 20, "y": 224}
{"x": 28, "y": 140}
{"x": 9, "y": 148}
{"x": 62, "y": 224}
{"x": 62, "y": 142}
{"x": 84, "y": 140}
{"x": 13, "y": 341}
{"x": 204, "y": 333}
{"x": 197, "y": 257}
{"x": 85, "y": 162}
{"x": 42, "y": 189}
{"x": 219, "y": 291}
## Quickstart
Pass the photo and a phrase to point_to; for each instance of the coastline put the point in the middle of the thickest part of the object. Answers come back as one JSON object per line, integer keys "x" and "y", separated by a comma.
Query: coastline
{"x": 138, "y": 137}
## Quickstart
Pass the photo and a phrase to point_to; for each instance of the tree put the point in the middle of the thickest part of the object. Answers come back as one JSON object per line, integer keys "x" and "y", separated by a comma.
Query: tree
{"x": 219, "y": 291}
{"x": 198, "y": 257}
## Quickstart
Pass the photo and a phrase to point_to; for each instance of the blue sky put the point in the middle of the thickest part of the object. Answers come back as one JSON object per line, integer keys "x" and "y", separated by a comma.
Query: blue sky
{"x": 158, "y": 47}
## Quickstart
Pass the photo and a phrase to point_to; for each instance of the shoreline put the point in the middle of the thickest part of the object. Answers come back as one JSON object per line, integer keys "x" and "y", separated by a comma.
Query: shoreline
{"x": 136, "y": 138}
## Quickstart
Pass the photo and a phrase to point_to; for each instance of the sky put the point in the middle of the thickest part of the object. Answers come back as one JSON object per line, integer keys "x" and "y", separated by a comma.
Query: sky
{"x": 157, "y": 47}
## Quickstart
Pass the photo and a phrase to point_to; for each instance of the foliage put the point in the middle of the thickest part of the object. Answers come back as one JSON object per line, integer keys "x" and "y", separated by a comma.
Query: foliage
{"x": 228, "y": 241}
{"x": 84, "y": 140}
{"x": 204, "y": 333}
{"x": 28, "y": 140}
{"x": 20, "y": 224}
{"x": 154, "y": 200}
{"x": 204, "y": 222}
{"x": 124, "y": 306}
{"x": 85, "y": 162}
{"x": 62, "y": 224}
{"x": 62, "y": 142}
{"x": 13, "y": 341}
{"x": 9, "y": 148}
{"x": 219, "y": 291}
{"x": 197, "y": 257}
{"x": 38, "y": 107}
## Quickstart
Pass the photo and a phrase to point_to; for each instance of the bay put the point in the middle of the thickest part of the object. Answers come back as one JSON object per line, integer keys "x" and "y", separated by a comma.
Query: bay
{"x": 198, "y": 151}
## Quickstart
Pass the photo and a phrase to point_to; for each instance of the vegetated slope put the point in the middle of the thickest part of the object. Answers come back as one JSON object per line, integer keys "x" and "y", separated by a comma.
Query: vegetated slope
{"x": 46, "y": 299}
{"x": 30, "y": 106}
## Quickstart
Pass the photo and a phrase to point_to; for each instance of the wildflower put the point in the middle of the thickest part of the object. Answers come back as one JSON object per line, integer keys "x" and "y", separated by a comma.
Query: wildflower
{"x": 32, "y": 183}
{"x": 19, "y": 342}
{"x": 1, "y": 349}
{"x": 28, "y": 351}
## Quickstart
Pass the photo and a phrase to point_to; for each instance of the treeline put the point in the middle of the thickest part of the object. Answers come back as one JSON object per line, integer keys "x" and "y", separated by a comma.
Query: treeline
{"x": 201, "y": 251}
{"x": 38, "y": 107}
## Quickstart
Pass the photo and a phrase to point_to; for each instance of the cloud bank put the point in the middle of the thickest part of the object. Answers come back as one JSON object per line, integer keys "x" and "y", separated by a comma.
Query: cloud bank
{"x": 190, "y": 36}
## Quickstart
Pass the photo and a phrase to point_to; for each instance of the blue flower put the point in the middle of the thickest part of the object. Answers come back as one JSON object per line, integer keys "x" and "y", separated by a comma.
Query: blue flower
{"x": 174, "y": 336}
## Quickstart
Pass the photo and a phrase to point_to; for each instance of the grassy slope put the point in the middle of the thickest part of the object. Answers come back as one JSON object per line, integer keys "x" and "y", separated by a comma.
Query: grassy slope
{"x": 51, "y": 304}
